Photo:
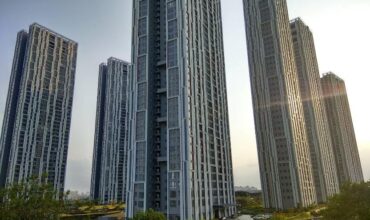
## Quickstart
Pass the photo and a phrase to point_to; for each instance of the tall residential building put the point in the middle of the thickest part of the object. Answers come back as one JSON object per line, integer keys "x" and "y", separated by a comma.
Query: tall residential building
{"x": 317, "y": 127}
{"x": 36, "y": 127}
{"x": 11, "y": 104}
{"x": 108, "y": 179}
{"x": 283, "y": 151}
{"x": 179, "y": 142}
{"x": 341, "y": 128}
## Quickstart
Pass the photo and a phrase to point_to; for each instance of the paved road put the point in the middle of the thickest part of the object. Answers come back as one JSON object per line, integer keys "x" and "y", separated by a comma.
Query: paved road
{"x": 245, "y": 217}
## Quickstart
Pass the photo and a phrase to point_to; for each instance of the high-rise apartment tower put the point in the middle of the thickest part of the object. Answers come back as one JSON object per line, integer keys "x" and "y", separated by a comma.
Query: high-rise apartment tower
{"x": 179, "y": 142}
{"x": 108, "y": 179}
{"x": 283, "y": 151}
{"x": 341, "y": 128}
{"x": 317, "y": 127}
{"x": 36, "y": 127}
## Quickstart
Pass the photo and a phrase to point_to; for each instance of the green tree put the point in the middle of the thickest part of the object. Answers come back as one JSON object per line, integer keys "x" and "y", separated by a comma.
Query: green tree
{"x": 352, "y": 203}
{"x": 31, "y": 199}
{"x": 249, "y": 203}
{"x": 149, "y": 215}
{"x": 278, "y": 216}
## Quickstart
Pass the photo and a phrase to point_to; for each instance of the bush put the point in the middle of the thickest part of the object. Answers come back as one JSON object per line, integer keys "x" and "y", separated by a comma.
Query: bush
{"x": 149, "y": 215}
{"x": 352, "y": 203}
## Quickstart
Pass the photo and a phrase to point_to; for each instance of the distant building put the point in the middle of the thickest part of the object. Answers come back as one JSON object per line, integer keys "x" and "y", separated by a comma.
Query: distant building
{"x": 36, "y": 126}
{"x": 247, "y": 189}
{"x": 284, "y": 155}
{"x": 179, "y": 143}
{"x": 75, "y": 195}
{"x": 341, "y": 128}
{"x": 317, "y": 127}
{"x": 108, "y": 179}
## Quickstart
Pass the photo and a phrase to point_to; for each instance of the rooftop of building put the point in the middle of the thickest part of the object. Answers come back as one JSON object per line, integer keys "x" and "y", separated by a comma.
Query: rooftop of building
{"x": 299, "y": 20}
{"x": 118, "y": 60}
{"x": 53, "y": 32}
{"x": 331, "y": 75}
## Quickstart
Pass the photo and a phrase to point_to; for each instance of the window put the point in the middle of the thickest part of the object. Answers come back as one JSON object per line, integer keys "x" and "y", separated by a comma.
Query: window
{"x": 142, "y": 26}
{"x": 173, "y": 194}
{"x": 277, "y": 119}
{"x": 140, "y": 161}
{"x": 139, "y": 197}
{"x": 265, "y": 14}
{"x": 173, "y": 82}
{"x": 268, "y": 45}
{"x": 270, "y": 65}
{"x": 174, "y": 150}
{"x": 141, "y": 69}
{"x": 171, "y": 10}
{"x": 172, "y": 53}
{"x": 173, "y": 203}
{"x": 140, "y": 126}
{"x": 172, "y": 29}
{"x": 174, "y": 180}
{"x": 263, "y": 4}
{"x": 143, "y": 8}
{"x": 266, "y": 28}
{"x": 173, "y": 113}
{"x": 142, "y": 45}
{"x": 141, "y": 96}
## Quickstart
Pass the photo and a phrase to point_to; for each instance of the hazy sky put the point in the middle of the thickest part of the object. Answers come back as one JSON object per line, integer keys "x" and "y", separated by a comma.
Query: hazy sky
{"x": 103, "y": 29}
